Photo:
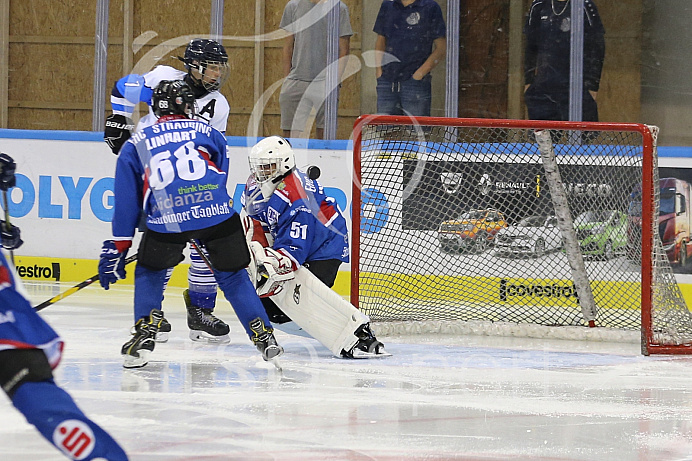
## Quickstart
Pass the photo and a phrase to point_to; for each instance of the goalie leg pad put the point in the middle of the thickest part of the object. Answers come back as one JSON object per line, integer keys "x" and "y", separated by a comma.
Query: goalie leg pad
{"x": 321, "y": 312}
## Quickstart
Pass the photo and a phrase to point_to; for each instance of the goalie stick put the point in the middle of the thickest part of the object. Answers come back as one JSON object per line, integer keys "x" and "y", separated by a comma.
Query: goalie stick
{"x": 76, "y": 288}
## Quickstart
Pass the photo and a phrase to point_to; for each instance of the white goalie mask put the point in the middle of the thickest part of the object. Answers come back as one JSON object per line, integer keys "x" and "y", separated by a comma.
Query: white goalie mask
{"x": 270, "y": 160}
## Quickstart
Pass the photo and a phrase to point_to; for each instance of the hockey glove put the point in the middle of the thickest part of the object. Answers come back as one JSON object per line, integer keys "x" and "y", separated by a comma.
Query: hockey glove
{"x": 275, "y": 266}
{"x": 111, "y": 264}
{"x": 11, "y": 239}
{"x": 7, "y": 169}
{"x": 118, "y": 130}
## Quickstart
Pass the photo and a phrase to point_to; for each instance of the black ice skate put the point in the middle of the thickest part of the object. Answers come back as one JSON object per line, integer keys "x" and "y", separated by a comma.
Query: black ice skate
{"x": 137, "y": 350}
{"x": 164, "y": 330}
{"x": 204, "y": 325}
{"x": 265, "y": 341}
{"x": 367, "y": 346}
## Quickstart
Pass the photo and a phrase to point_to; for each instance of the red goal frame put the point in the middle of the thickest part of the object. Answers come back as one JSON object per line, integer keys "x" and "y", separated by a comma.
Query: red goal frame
{"x": 648, "y": 345}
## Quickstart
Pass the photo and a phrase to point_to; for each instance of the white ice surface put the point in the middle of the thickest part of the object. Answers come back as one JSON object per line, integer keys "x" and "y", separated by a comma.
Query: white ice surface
{"x": 437, "y": 398}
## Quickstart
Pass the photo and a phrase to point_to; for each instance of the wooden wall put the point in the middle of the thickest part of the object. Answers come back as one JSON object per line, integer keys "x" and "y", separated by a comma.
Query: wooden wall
{"x": 48, "y": 57}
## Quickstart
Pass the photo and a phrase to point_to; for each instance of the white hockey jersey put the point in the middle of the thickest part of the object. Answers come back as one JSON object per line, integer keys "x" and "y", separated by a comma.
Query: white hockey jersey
{"x": 212, "y": 108}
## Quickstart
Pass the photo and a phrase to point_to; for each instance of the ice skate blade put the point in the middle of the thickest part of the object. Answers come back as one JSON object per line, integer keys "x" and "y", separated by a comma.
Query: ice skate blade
{"x": 161, "y": 337}
{"x": 204, "y": 337}
{"x": 359, "y": 354}
{"x": 272, "y": 352}
{"x": 130, "y": 361}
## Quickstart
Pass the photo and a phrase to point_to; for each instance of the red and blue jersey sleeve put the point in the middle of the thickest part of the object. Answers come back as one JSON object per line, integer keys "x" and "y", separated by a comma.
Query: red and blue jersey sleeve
{"x": 20, "y": 326}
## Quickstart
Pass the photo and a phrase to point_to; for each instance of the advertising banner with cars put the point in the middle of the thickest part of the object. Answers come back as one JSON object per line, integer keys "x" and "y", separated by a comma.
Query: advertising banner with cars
{"x": 63, "y": 200}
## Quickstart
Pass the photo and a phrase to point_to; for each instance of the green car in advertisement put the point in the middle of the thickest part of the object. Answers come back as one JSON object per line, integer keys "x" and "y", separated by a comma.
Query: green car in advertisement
{"x": 602, "y": 233}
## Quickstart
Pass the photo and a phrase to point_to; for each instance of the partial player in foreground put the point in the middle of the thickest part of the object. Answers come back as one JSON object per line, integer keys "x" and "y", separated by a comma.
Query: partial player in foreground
{"x": 206, "y": 70}
{"x": 310, "y": 242}
{"x": 29, "y": 351}
{"x": 160, "y": 169}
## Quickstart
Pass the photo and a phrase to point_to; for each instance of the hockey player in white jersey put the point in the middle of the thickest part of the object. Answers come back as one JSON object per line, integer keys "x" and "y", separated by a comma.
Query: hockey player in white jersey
{"x": 206, "y": 64}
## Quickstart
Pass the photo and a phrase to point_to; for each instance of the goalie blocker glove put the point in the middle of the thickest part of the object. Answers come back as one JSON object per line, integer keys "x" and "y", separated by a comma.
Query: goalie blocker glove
{"x": 112, "y": 262}
{"x": 118, "y": 130}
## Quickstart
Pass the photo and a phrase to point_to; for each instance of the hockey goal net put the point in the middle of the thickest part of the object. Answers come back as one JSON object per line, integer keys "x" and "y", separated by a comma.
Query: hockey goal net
{"x": 526, "y": 227}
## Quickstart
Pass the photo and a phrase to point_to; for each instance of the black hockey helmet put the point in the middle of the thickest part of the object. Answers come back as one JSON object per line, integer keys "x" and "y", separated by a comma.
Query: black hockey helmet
{"x": 206, "y": 62}
{"x": 173, "y": 97}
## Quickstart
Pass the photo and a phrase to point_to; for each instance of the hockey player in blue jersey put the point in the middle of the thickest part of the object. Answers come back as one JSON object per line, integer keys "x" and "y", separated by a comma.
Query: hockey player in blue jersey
{"x": 305, "y": 225}
{"x": 176, "y": 170}
{"x": 29, "y": 351}
{"x": 206, "y": 64}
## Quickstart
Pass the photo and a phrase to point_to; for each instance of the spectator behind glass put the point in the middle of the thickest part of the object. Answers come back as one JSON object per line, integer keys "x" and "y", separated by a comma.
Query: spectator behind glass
{"x": 547, "y": 60}
{"x": 411, "y": 41}
{"x": 305, "y": 60}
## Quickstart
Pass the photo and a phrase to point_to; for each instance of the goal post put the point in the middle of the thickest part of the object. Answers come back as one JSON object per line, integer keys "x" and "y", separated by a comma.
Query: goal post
{"x": 534, "y": 227}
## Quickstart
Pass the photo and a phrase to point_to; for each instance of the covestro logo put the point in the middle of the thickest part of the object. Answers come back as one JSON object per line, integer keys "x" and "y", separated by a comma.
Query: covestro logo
{"x": 40, "y": 272}
{"x": 509, "y": 289}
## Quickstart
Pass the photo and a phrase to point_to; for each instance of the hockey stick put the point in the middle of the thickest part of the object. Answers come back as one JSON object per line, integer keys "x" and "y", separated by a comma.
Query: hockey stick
{"x": 76, "y": 288}
{"x": 202, "y": 255}
{"x": 8, "y": 226}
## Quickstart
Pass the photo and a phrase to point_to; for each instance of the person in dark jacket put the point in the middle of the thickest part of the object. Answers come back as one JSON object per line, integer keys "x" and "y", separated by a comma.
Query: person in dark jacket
{"x": 547, "y": 60}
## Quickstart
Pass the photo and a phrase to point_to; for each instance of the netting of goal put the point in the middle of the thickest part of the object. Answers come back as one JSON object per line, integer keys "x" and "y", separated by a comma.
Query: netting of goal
{"x": 513, "y": 227}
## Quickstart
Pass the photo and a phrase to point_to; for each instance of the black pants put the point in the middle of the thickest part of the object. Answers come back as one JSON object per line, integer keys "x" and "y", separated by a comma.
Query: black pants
{"x": 325, "y": 270}
{"x": 547, "y": 104}
{"x": 224, "y": 242}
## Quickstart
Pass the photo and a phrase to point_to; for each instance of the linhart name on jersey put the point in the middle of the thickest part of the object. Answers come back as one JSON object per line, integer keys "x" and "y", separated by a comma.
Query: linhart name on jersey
{"x": 166, "y": 135}
{"x": 508, "y": 289}
{"x": 39, "y": 272}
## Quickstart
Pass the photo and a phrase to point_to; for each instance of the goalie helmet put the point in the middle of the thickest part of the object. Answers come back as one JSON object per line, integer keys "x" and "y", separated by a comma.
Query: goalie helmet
{"x": 206, "y": 62}
{"x": 173, "y": 97}
{"x": 271, "y": 160}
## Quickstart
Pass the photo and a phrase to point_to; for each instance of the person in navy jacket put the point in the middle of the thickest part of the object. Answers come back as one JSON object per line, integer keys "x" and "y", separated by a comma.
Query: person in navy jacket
{"x": 547, "y": 60}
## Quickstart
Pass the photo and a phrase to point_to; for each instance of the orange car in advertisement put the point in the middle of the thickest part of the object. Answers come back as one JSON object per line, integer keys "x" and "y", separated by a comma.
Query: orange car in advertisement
{"x": 474, "y": 230}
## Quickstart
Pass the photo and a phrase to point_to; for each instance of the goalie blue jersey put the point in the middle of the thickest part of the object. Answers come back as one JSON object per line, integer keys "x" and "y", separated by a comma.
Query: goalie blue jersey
{"x": 176, "y": 171}
{"x": 20, "y": 326}
{"x": 304, "y": 222}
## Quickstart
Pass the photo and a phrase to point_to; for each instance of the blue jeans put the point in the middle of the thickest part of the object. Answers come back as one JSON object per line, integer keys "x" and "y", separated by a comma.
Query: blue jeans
{"x": 408, "y": 97}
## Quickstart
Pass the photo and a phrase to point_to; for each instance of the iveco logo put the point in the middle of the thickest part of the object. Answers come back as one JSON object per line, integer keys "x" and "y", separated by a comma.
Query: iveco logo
{"x": 451, "y": 182}
{"x": 485, "y": 185}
